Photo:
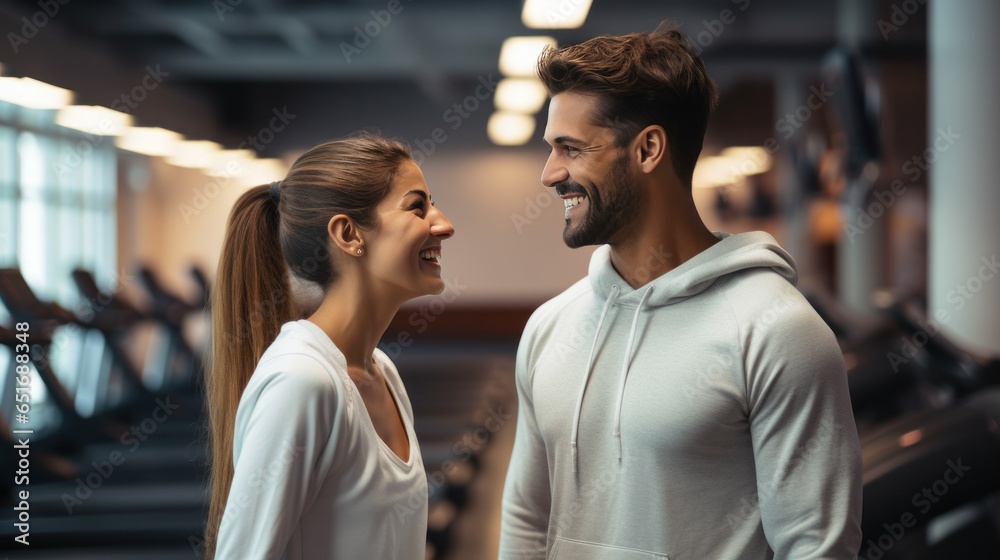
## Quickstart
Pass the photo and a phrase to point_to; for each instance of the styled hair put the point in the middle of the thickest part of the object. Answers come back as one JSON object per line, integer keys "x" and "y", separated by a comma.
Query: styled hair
{"x": 640, "y": 79}
{"x": 264, "y": 240}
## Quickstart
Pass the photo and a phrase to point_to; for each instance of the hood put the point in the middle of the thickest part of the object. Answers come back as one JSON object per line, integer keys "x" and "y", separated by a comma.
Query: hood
{"x": 732, "y": 253}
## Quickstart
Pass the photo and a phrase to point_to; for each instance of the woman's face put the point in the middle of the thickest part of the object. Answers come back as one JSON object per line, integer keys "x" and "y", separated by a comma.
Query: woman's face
{"x": 404, "y": 251}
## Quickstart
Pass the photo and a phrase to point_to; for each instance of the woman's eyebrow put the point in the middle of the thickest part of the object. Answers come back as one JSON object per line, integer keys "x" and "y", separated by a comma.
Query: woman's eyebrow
{"x": 422, "y": 194}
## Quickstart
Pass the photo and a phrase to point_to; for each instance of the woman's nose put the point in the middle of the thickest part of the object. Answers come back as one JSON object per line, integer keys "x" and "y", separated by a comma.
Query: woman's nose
{"x": 441, "y": 226}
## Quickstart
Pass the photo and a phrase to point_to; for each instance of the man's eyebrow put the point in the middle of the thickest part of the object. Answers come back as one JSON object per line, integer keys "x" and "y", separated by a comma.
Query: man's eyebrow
{"x": 568, "y": 140}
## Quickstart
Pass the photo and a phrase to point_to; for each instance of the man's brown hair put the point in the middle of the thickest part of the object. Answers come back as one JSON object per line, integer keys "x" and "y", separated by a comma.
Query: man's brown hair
{"x": 640, "y": 79}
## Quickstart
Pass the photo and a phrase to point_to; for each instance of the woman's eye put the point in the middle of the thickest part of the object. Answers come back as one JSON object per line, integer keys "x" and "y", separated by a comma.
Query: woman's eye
{"x": 419, "y": 205}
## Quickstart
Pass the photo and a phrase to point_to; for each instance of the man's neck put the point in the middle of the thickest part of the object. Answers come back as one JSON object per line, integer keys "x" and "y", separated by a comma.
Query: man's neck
{"x": 666, "y": 238}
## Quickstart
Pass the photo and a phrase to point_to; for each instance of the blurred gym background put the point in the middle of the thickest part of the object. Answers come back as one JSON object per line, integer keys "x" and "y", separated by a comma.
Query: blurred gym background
{"x": 860, "y": 133}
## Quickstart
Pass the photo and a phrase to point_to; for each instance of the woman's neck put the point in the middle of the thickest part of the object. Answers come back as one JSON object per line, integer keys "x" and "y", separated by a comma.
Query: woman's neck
{"x": 355, "y": 319}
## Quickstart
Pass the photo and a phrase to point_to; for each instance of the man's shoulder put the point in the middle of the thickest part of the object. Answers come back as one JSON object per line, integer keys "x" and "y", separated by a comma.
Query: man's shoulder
{"x": 755, "y": 290}
{"x": 553, "y": 308}
{"x": 764, "y": 300}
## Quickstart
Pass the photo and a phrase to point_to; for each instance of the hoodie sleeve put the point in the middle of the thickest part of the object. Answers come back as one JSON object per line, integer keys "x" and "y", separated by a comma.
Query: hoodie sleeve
{"x": 278, "y": 459}
{"x": 526, "y": 495}
{"x": 806, "y": 448}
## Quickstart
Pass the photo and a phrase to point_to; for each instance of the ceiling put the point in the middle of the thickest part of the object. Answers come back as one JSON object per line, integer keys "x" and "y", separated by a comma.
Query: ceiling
{"x": 346, "y": 40}
{"x": 245, "y": 56}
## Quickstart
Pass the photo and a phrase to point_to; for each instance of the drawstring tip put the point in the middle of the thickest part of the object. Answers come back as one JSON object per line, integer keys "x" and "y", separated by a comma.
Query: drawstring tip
{"x": 573, "y": 454}
{"x": 618, "y": 440}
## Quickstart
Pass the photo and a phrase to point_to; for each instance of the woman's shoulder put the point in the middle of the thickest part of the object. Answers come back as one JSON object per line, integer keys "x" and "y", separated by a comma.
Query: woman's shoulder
{"x": 291, "y": 391}
{"x": 301, "y": 370}
{"x": 295, "y": 365}
{"x": 299, "y": 341}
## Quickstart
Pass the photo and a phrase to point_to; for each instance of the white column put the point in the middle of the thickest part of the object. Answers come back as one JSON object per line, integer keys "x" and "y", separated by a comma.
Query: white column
{"x": 964, "y": 142}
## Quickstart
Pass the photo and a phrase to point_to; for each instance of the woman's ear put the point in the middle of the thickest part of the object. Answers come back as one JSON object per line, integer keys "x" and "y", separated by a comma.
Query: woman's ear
{"x": 345, "y": 234}
{"x": 653, "y": 148}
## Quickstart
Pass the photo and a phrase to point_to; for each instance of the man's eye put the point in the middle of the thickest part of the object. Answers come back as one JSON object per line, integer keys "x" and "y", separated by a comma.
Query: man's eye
{"x": 570, "y": 149}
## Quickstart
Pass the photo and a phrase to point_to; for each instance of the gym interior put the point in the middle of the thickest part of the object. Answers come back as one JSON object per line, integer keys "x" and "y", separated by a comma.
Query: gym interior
{"x": 859, "y": 133}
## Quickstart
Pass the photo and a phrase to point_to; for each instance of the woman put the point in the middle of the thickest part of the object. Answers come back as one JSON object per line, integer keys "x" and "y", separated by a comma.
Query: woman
{"x": 314, "y": 454}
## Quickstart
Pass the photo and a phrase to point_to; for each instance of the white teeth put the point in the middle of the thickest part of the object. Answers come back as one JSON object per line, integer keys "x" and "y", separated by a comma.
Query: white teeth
{"x": 430, "y": 255}
{"x": 571, "y": 202}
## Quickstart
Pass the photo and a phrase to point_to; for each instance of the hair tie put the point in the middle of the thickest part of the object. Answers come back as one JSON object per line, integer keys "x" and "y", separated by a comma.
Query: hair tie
{"x": 275, "y": 191}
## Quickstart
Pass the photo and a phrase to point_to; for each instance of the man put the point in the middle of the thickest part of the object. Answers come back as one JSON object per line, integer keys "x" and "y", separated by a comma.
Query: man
{"x": 682, "y": 401}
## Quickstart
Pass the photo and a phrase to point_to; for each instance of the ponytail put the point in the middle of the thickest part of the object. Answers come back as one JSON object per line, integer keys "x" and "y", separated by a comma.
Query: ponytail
{"x": 251, "y": 298}
{"x": 250, "y": 301}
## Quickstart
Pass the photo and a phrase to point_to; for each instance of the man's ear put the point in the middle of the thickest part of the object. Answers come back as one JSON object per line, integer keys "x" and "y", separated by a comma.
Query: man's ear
{"x": 345, "y": 234}
{"x": 652, "y": 148}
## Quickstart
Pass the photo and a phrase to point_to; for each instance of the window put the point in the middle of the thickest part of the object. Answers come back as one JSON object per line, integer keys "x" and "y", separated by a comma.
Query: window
{"x": 57, "y": 213}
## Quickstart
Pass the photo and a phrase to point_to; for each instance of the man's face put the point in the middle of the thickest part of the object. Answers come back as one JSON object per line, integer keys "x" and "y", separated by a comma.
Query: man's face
{"x": 595, "y": 179}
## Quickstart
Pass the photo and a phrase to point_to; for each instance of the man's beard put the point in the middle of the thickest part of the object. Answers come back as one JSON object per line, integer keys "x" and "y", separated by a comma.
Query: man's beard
{"x": 610, "y": 208}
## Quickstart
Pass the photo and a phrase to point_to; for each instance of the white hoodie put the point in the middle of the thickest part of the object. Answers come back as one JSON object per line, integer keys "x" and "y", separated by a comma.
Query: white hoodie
{"x": 703, "y": 416}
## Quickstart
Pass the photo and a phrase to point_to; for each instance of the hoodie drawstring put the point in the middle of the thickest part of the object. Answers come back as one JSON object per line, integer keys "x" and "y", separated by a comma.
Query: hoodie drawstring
{"x": 586, "y": 377}
{"x": 625, "y": 367}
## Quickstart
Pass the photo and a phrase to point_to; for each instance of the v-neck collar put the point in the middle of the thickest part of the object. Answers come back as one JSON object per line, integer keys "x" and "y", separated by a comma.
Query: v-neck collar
{"x": 338, "y": 358}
